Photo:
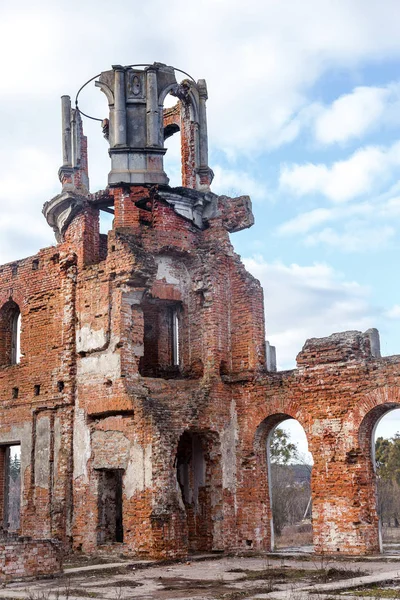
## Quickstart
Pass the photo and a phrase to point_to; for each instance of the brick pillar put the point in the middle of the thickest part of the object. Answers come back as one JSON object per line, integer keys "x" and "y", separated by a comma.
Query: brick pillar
{"x": 127, "y": 214}
{"x": 168, "y": 517}
{"x": 254, "y": 514}
{"x": 3, "y": 482}
{"x": 343, "y": 496}
{"x": 83, "y": 236}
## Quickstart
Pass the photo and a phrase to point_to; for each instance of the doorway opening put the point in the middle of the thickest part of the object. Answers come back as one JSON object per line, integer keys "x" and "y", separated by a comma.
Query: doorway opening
{"x": 200, "y": 486}
{"x": 110, "y": 526}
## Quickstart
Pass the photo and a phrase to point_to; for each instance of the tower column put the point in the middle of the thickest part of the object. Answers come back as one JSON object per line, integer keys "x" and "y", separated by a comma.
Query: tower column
{"x": 153, "y": 115}
{"x": 119, "y": 107}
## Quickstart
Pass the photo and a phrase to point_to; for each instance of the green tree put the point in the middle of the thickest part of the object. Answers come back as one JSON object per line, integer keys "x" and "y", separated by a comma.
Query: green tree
{"x": 281, "y": 450}
{"x": 290, "y": 496}
{"x": 387, "y": 458}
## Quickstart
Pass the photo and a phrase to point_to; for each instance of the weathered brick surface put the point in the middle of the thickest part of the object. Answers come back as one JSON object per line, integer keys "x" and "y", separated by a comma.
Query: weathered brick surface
{"x": 187, "y": 440}
{"x": 24, "y": 557}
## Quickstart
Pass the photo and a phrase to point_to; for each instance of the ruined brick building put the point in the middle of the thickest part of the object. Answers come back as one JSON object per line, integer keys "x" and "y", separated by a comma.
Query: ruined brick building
{"x": 141, "y": 400}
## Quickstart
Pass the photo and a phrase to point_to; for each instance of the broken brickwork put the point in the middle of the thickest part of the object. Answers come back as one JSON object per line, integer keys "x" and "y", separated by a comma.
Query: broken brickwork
{"x": 142, "y": 400}
{"x": 22, "y": 557}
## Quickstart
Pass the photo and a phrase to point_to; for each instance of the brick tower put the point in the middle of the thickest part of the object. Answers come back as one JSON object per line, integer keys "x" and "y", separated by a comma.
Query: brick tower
{"x": 159, "y": 312}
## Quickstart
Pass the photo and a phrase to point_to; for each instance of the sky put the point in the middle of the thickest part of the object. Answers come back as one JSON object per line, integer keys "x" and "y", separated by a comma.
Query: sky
{"x": 303, "y": 115}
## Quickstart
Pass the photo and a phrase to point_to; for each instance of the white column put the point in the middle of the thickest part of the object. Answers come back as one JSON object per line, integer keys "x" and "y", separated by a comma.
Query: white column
{"x": 66, "y": 130}
{"x": 119, "y": 108}
{"x": 153, "y": 124}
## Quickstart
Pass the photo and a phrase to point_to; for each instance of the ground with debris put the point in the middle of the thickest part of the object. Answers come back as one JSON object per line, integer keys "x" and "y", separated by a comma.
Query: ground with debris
{"x": 218, "y": 578}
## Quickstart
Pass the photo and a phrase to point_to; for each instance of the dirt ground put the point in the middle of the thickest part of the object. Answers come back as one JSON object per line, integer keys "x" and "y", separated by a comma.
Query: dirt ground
{"x": 300, "y": 536}
{"x": 205, "y": 578}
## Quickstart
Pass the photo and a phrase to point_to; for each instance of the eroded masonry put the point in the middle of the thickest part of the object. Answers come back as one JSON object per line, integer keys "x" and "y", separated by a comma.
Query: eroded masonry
{"x": 133, "y": 365}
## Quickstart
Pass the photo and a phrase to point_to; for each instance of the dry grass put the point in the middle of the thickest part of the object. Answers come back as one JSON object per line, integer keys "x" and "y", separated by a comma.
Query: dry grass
{"x": 377, "y": 593}
{"x": 295, "y": 535}
{"x": 391, "y": 534}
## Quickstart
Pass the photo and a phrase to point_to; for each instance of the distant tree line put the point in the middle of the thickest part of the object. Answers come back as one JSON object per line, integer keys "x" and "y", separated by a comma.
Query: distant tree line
{"x": 291, "y": 481}
{"x": 387, "y": 460}
{"x": 14, "y": 493}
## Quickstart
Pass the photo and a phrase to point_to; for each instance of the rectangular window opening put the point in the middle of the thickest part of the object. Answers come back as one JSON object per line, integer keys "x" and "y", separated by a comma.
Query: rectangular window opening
{"x": 10, "y": 473}
{"x": 175, "y": 337}
{"x": 162, "y": 339}
{"x": 110, "y": 525}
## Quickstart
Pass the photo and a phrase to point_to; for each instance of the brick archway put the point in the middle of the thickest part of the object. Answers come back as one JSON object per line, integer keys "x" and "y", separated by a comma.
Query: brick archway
{"x": 380, "y": 403}
{"x": 374, "y": 405}
{"x": 262, "y": 441}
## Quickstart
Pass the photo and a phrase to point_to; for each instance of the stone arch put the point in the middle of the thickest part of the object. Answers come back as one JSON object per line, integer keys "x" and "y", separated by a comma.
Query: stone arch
{"x": 107, "y": 91}
{"x": 183, "y": 119}
{"x": 191, "y": 95}
{"x": 199, "y": 487}
{"x": 10, "y": 328}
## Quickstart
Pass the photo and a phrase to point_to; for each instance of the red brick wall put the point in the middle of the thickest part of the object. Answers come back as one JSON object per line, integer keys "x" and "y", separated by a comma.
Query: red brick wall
{"x": 84, "y": 313}
{"x": 23, "y": 557}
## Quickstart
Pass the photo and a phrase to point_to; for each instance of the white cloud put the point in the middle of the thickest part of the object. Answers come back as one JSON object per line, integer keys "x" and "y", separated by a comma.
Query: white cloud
{"x": 260, "y": 58}
{"x": 308, "y": 301}
{"x": 389, "y": 425}
{"x": 306, "y": 221}
{"x": 22, "y": 174}
{"x": 348, "y": 118}
{"x": 355, "y": 237}
{"x": 394, "y": 312}
{"x": 23, "y": 190}
{"x": 237, "y": 183}
{"x": 351, "y": 115}
{"x": 360, "y": 227}
{"x": 366, "y": 169}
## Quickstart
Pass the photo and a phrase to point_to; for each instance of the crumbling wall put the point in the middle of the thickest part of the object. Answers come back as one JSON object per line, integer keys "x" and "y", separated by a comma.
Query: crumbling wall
{"x": 338, "y": 393}
{"x": 134, "y": 444}
{"x": 22, "y": 557}
{"x": 36, "y": 401}
{"x": 131, "y": 419}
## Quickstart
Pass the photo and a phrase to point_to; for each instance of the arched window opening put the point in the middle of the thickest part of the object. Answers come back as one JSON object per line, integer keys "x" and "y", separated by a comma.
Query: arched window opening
{"x": 172, "y": 141}
{"x": 186, "y": 164}
{"x": 289, "y": 475}
{"x": 199, "y": 483}
{"x": 17, "y": 338}
{"x": 10, "y": 334}
{"x": 380, "y": 435}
